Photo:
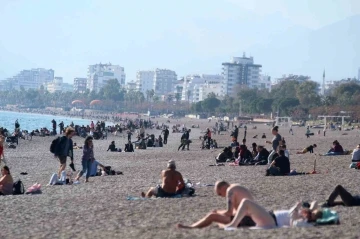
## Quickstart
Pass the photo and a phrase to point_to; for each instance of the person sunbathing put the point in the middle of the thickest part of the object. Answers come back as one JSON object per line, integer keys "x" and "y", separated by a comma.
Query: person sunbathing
{"x": 296, "y": 216}
{"x": 172, "y": 183}
{"x": 234, "y": 194}
{"x": 309, "y": 149}
{"x": 6, "y": 182}
{"x": 346, "y": 198}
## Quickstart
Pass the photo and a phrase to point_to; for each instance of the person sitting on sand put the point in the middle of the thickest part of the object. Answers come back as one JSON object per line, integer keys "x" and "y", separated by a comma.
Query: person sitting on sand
{"x": 262, "y": 155}
{"x": 296, "y": 216}
{"x": 224, "y": 155}
{"x": 263, "y": 136}
{"x": 275, "y": 142}
{"x": 172, "y": 183}
{"x": 234, "y": 194}
{"x": 355, "y": 156}
{"x": 347, "y": 199}
{"x": 129, "y": 147}
{"x": 280, "y": 166}
{"x": 112, "y": 147}
{"x": 286, "y": 152}
{"x": 337, "y": 149}
{"x": 309, "y": 149}
{"x": 6, "y": 182}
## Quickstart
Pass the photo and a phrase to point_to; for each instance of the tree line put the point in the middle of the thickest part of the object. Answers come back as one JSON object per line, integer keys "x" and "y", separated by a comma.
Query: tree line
{"x": 289, "y": 98}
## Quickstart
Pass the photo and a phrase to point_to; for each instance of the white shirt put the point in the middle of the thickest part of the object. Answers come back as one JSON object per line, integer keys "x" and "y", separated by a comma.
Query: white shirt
{"x": 356, "y": 155}
{"x": 283, "y": 218}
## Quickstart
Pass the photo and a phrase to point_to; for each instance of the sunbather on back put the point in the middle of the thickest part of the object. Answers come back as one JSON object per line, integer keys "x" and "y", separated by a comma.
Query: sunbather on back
{"x": 346, "y": 198}
{"x": 172, "y": 183}
{"x": 234, "y": 194}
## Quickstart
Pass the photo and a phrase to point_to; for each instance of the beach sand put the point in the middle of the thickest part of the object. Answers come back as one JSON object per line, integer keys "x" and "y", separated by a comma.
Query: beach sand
{"x": 100, "y": 209}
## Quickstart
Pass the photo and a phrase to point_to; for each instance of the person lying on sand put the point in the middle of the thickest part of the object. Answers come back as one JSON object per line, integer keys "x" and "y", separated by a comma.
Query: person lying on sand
{"x": 296, "y": 216}
{"x": 234, "y": 194}
{"x": 309, "y": 149}
{"x": 172, "y": 183}
{"x": 346, "y": 198}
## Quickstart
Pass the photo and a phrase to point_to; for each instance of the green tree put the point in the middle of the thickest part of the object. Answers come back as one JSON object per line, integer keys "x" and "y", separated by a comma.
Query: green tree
{"x": 177, "y": 97}
{"x": 111, "y": 90}
{"x": 307, "y": 94}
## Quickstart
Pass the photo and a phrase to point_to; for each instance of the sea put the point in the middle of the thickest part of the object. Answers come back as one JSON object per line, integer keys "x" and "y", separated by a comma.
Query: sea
{"x": 29, "y": 121}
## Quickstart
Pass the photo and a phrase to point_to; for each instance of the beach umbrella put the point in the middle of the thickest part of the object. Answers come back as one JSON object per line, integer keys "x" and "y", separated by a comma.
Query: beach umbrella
{"x": 77, "y": 102}
{"x": 95, "y": 102}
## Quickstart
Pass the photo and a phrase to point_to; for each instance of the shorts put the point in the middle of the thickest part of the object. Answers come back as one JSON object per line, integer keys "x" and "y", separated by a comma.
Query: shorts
{"x": 245, "y": 222}
{"x": 160, "y": 193}
{"x": 62, "y": 159}
{"x": 305, "y": 151}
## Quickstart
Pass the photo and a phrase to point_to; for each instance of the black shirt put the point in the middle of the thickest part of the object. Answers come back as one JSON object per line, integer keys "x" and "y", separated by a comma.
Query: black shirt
{"x": 283, "y": 163}
{"x": 310, "y": 149}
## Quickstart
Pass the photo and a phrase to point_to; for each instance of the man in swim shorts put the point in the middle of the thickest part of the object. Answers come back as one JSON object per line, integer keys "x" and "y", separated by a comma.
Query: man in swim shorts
{"x": 234, "y": 194}
{"x": 172, "y": 183}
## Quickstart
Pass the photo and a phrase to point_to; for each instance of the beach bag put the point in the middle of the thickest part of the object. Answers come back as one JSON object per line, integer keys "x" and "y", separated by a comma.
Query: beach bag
{"x": 53, "y": 145}
{"x": 18, "y": 188}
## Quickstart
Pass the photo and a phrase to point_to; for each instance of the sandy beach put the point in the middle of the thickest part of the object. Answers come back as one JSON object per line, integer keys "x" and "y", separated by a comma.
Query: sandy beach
{"x": 100, "y": 209}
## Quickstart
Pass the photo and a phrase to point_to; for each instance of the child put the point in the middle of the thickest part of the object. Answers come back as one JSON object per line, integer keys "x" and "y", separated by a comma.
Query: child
{"x": 309, "y": 149}
{"x": 286, "y": 152}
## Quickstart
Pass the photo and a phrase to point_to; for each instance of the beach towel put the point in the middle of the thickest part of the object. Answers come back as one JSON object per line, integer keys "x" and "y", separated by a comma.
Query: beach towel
{"x": 132, "y": 198}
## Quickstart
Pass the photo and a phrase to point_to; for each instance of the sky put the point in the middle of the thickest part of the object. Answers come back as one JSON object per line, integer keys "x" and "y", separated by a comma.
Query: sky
{"x": 189, "y": 36}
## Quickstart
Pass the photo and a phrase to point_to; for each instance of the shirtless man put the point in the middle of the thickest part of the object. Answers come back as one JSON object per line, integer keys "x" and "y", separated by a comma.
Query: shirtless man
{"x": 172, "y": 183}
{"x": 234, "y": 194}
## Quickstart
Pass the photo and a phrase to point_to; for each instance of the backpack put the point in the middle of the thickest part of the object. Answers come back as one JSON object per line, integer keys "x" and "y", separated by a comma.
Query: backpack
{"x": 18, "y": 188}
{"x": 53, "y": 145}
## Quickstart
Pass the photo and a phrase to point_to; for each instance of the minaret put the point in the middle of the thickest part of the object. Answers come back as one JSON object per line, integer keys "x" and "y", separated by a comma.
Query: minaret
{"x": 323, "y": 84}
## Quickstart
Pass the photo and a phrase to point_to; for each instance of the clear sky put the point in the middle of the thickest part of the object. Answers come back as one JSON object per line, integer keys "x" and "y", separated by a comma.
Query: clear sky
{"x": 188, "y": 36}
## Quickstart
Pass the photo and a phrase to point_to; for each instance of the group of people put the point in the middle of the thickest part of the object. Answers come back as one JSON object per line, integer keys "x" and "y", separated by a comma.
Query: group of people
{"x": 243, "y": 210}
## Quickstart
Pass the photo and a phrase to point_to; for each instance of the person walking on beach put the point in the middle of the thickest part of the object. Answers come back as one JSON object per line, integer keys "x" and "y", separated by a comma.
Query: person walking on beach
{"x": 87, "y": 158}
{"x": 2, "y": 156}
{"x": 166, "y": 134}
{"x": 61, "y": 127}
{"x": 54, "y": 127}
{"x": 185, "y": 140}
{"x": 64, "y": 149}
{"x": 275, "y": 143}
{"x": 17, "y": 125}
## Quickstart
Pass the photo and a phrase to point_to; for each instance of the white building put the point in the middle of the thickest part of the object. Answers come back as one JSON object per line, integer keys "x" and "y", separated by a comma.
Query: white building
{"x": 145, "y": 81}
{"x": 192, "y": 84}
{"x": 207, "y": 88}
{"x": 55, "y": 85}
{"x": 264, "y": 83}
{"x": 80, "y": 85}
{"x": 164, "y": 81}
{"x": 99, "y": 74}
{"x": 241, "y": 71}
{"x": 131, "y": 86}
{"x": 31, "y": 79}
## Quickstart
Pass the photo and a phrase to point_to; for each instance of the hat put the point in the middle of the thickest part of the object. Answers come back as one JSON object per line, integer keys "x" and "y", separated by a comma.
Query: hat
{"x": 171, "y": 164}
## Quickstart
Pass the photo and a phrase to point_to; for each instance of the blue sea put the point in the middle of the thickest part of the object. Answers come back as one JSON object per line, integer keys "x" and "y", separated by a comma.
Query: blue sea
{"x": 30, "y": 122}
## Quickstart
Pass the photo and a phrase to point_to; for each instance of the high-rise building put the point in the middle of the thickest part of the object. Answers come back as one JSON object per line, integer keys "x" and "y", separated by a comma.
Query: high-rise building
{"x": 145, "y": 81}
{"x": 241, "y": 71}
{"x": 164, "y": 81}
{"x": 31, "y": 79}
{"x": 99, "y": 74}
{"x": 80, "y": 85}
